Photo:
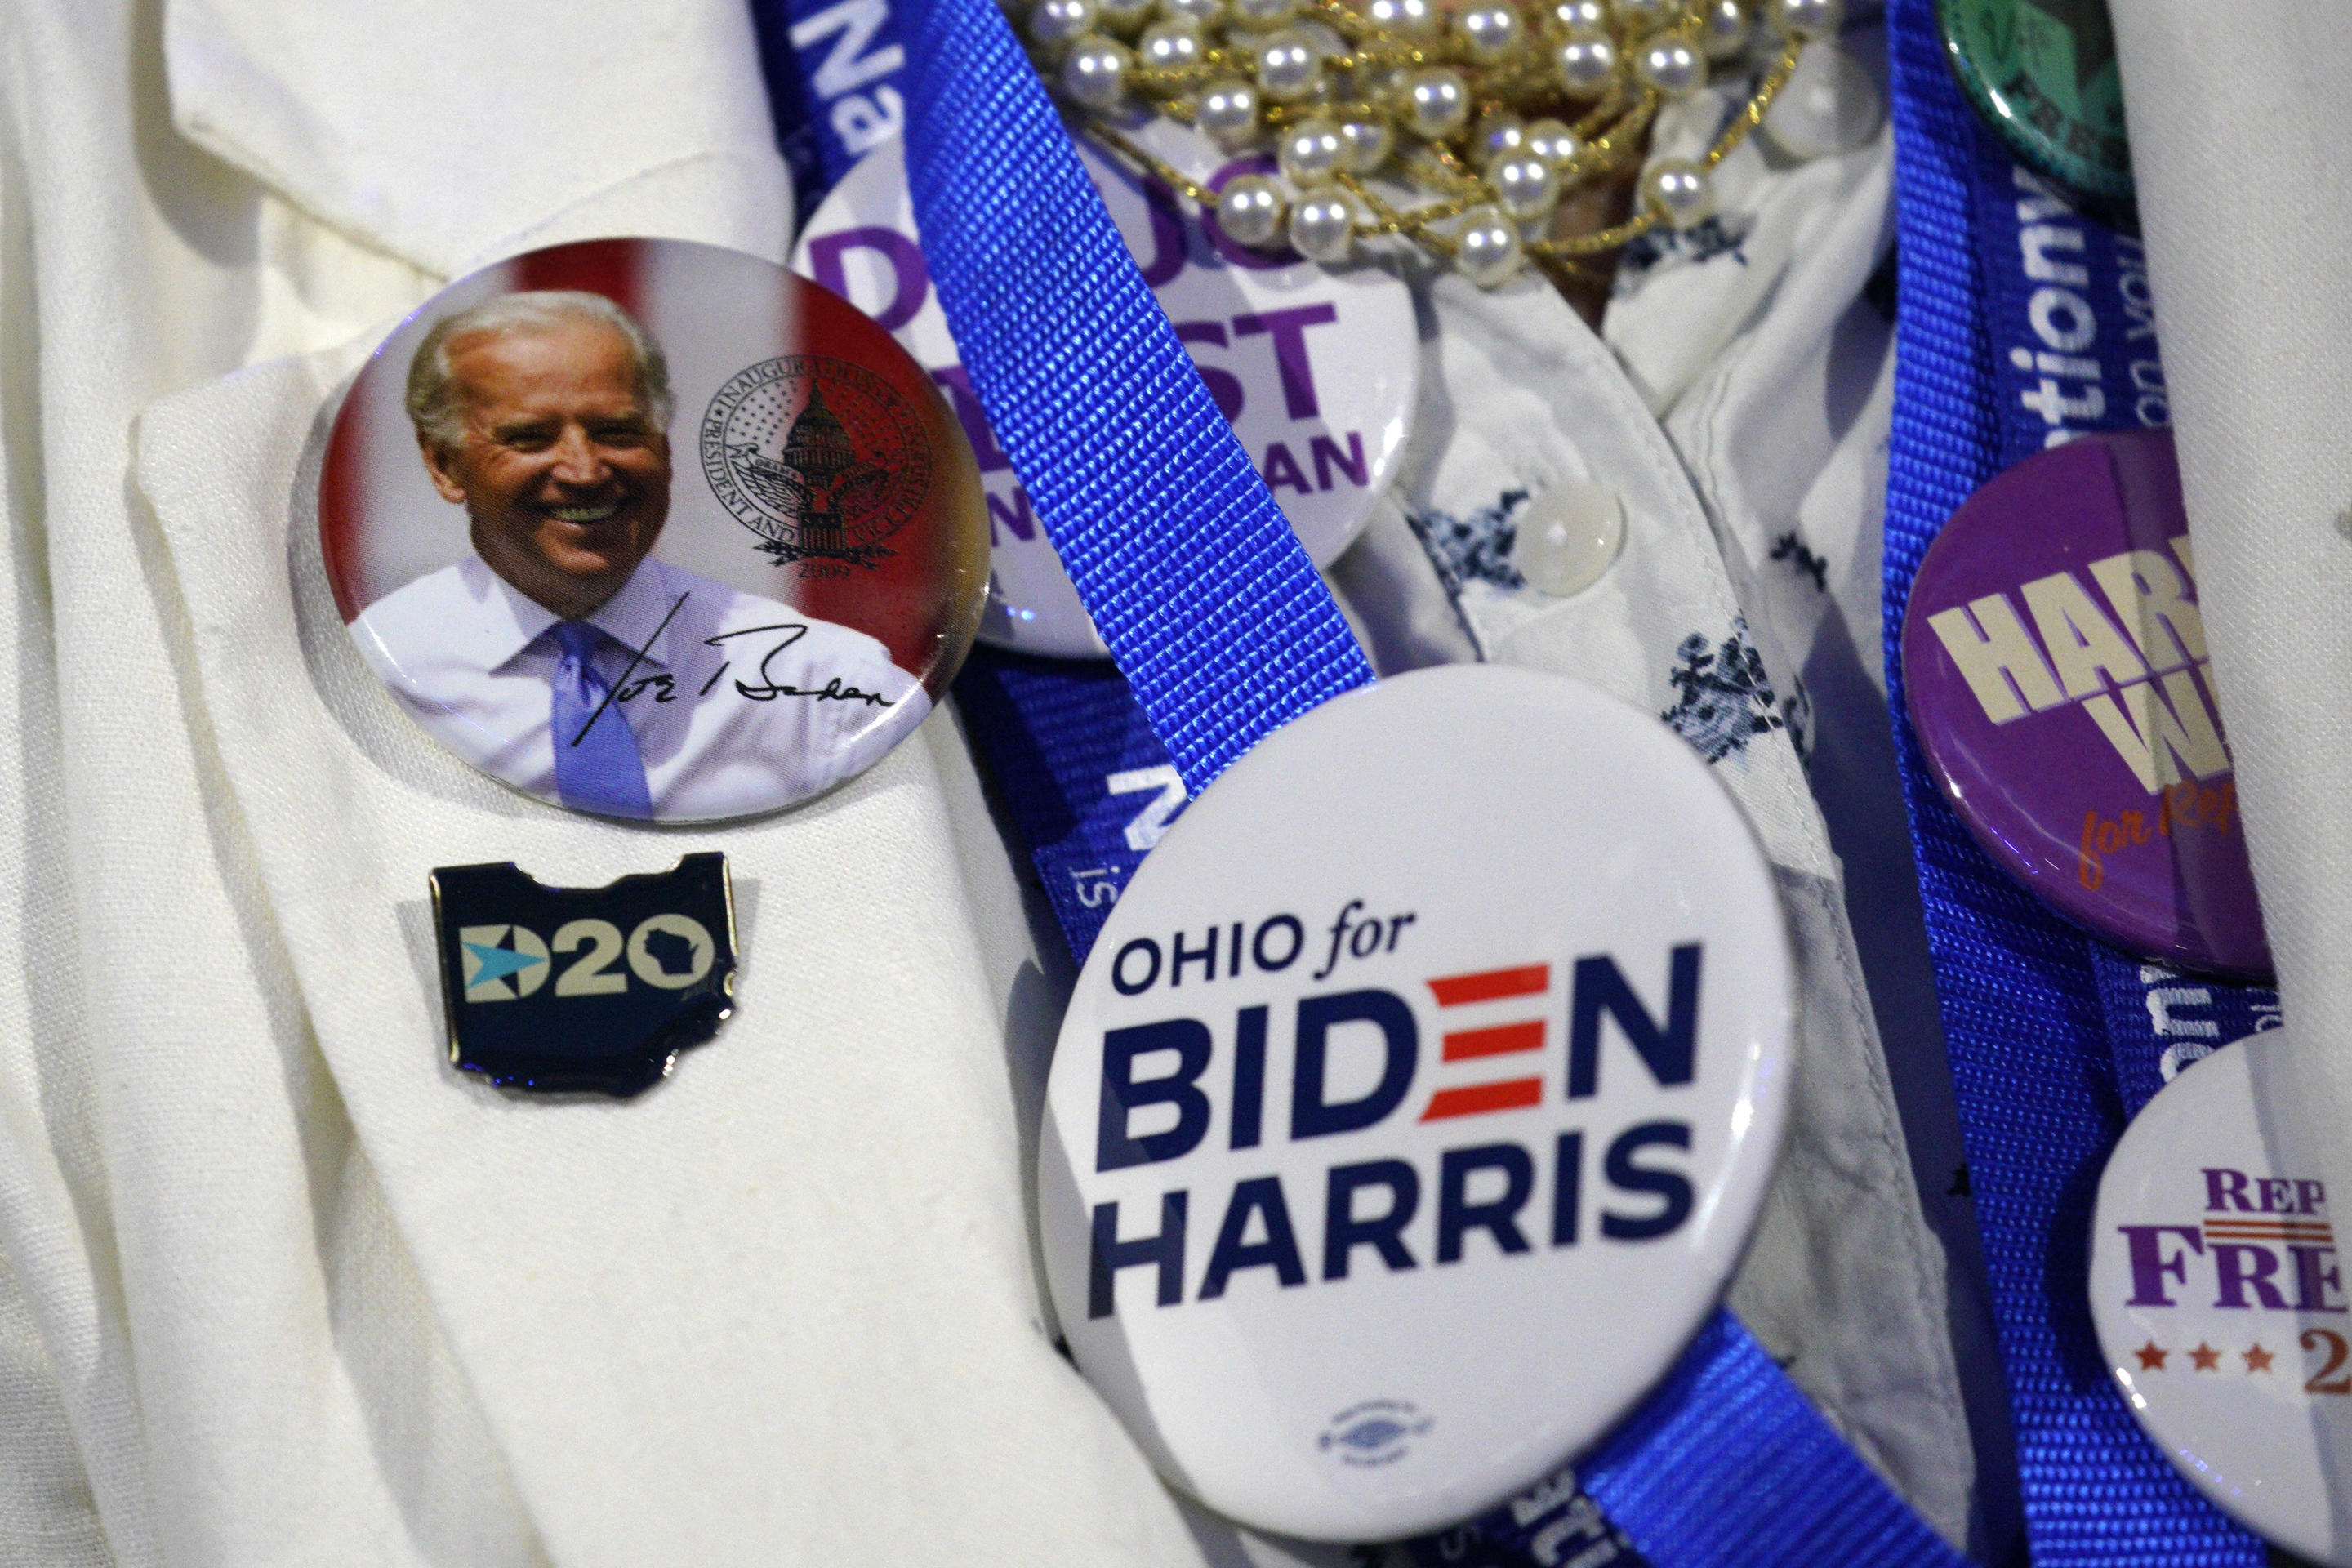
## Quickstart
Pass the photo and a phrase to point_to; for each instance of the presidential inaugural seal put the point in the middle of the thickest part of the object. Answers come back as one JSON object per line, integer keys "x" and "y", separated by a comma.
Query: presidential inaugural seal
{"x": 821, "y": 458}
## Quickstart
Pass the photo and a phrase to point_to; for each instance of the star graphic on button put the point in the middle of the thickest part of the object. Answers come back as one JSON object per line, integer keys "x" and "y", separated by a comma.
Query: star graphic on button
{"x": 2259, "y": 1359}
{"x": 498, "y": 962}
{"x": 2207, "y": 1358}
{"x": 2151, "y": 1356}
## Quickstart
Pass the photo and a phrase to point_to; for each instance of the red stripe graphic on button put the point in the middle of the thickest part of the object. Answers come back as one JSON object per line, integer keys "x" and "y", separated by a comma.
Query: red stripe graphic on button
{"x": 1500, "y": 1041}
{"x": 1493, "y": 1040}
{"x": 2273, "y": 1230}
{"x": 1461, "y": 990}
{"x": 1478, "y": 1099}
{"x": 344, "y": 500}
{"x": 613, "y": 268}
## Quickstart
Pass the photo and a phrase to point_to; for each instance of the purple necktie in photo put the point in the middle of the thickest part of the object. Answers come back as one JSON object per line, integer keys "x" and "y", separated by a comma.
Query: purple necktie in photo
{"x": 597, "y": 767}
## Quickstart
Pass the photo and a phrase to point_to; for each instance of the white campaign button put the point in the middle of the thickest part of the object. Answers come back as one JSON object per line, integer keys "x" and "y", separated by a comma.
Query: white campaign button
{"x": 1317, "y": 368}
{"x": 653, "y": 531}
{"x": 1416, "y": 1101}
{"x": 2220, "y": 1298}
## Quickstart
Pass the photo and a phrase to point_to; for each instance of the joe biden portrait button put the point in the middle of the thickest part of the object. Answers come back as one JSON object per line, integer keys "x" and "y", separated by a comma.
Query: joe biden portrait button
{"x": 653, "y": 530}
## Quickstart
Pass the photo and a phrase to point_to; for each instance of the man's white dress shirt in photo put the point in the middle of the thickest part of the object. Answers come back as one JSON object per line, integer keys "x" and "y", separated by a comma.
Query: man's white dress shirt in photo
{"x": 739, "y": 703}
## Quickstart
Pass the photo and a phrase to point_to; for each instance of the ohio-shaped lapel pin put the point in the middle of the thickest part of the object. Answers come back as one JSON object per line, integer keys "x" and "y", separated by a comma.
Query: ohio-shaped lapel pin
{"x": 589, "y": 990}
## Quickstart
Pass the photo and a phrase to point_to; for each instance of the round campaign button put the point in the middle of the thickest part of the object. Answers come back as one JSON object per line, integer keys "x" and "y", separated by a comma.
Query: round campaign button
{"x": 2044, "y": 76}
{"x": 2056, "y": 671}
{"x": 2220, "y": 1301}
{"x": 1317, "y": 368}
{"x": 1415, "y": 1103}
{"x": 653, "y": 530}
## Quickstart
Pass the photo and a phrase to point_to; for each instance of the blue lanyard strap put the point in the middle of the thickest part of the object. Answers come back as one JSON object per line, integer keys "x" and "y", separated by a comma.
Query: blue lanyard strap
{"x": 1219, "y": 620}
{"x": 1204, "y": 596}
{"x": 1727, "y": 1462}
{"x": 2034, "y": 1062}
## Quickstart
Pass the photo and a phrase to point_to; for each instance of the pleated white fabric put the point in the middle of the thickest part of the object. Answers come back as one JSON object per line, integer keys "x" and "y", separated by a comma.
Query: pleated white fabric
{"x": 2244, "y": 179}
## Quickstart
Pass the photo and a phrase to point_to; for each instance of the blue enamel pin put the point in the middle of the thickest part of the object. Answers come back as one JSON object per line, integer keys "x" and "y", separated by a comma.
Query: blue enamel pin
{"x": 589, "y": 990}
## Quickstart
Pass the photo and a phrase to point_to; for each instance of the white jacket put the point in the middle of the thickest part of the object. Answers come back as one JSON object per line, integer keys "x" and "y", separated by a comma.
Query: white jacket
{"x": 2258, "y": 360}
{"x": 277, "y": 1287}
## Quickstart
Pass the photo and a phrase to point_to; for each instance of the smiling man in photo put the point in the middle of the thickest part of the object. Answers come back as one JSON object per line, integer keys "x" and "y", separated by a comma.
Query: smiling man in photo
{"x": 560, "y": 655}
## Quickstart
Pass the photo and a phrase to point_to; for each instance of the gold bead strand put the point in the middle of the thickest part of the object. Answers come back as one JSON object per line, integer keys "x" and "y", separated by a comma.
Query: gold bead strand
{"x": 1478, "y": 119}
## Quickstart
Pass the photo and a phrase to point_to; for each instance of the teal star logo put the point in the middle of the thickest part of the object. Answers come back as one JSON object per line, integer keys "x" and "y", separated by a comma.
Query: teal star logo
{"x": 498, "y": 962}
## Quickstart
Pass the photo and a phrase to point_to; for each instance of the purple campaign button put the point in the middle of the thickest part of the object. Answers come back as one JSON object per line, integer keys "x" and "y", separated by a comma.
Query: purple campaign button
{"x": 2058, "y": 678}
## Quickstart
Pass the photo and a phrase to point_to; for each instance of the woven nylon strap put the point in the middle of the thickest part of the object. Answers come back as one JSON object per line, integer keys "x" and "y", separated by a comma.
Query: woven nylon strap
{"x": 1226, "y": 631}
{"x": 2032, "y": 1058}
{"x": 1203, "y": 594}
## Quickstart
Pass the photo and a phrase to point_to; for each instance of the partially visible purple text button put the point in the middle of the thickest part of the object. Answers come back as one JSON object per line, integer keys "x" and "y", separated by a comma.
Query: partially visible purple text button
{"x": 2057, "y": 675}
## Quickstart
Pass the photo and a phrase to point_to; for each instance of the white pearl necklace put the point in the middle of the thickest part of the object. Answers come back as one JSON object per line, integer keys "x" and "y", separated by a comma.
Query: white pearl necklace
{"x": 1486, "y": 116}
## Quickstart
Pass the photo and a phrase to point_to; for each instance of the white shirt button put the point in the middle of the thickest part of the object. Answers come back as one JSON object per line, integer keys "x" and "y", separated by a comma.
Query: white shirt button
{"x": 1568, "y": 536}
